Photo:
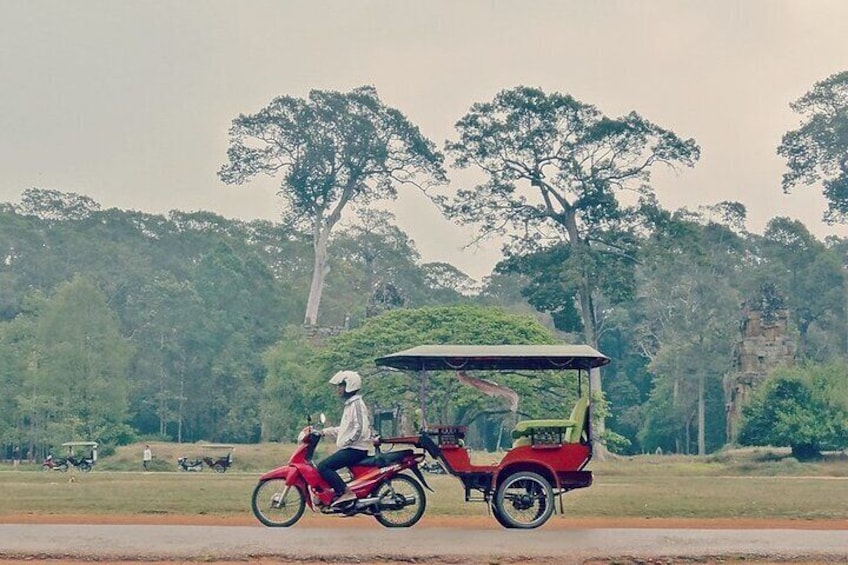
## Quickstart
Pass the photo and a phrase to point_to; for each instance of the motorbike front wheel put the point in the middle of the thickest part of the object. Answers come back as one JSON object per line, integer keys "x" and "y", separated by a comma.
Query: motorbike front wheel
{"x": 402, "y": 502}
{"x": 524, "y": 500}
{"x": 277, "y": 504}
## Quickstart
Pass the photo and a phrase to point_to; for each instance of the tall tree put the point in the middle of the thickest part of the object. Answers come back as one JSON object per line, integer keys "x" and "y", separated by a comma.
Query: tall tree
{"x": 78, "y": 359}
{"x": 811, "y": 276}
{"x": 555, "y": 168}
{"x": 332, "y": 149}
{"x": 818, "y": 150}
{"x": 688, "y": 311}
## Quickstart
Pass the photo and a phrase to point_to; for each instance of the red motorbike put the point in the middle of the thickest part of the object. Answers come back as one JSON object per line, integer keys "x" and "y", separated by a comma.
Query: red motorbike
{"x": 395, "y": 499}
{"x": 54, "y": 464}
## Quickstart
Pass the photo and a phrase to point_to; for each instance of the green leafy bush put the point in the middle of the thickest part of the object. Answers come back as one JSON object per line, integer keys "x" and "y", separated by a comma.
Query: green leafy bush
{"x": 804, "y": 408}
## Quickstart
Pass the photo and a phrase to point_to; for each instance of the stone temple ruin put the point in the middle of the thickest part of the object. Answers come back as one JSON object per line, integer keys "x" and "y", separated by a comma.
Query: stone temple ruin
{"x": 764, "y": 344}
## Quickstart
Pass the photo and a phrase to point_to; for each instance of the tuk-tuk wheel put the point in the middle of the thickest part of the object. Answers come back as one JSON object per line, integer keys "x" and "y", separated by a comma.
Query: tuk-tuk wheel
{"x": 499, "y": 517}
{"x": 523, "y": 500}
{"x": 219, "y": 468}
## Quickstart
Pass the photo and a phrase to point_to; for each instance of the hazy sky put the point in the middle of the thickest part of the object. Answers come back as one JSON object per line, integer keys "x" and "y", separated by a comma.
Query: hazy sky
{"x": 130, "y": 102}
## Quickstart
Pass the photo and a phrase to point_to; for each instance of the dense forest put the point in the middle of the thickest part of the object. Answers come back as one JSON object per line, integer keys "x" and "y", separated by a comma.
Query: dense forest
{"x": 117, "y": 324}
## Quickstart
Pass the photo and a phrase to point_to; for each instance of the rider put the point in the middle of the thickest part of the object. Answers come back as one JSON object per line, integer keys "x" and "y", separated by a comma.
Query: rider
{"x": 353, "y": 434}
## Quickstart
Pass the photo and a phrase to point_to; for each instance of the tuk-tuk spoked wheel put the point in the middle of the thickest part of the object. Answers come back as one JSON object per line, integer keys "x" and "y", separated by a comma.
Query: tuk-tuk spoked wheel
{"x": 523, "y": 500}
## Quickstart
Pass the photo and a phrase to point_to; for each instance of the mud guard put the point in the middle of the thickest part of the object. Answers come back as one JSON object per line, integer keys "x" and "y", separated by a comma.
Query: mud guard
{"x": 420, "y": 477}
{"x": 278, "y": 473}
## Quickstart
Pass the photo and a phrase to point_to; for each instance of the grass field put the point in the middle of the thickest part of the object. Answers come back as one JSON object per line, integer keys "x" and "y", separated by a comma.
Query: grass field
{"x": 743, "y": 484}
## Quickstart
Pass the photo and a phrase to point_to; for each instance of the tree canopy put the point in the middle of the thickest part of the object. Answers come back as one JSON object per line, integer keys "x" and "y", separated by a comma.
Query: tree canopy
{"x": 331, "y": 150}
{"x": 818, "y": 150}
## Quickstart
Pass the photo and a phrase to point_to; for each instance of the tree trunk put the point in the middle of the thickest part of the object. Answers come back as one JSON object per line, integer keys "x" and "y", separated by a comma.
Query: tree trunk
{"x": 587, "y": 315}
{"x": 320, "y": 241}
{"x": 321, "y": 229}
{"x": 702, "y": 443}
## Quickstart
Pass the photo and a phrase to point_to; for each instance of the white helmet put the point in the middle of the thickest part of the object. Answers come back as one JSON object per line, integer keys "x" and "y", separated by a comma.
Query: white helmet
{"x": 351, "y": 380}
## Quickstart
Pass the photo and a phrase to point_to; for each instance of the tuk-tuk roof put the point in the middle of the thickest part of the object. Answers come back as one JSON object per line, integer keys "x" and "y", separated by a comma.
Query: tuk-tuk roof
{"x": 215, "y": 445}
{"x": 80, "y": 444}
{"x": 494, "y": 358}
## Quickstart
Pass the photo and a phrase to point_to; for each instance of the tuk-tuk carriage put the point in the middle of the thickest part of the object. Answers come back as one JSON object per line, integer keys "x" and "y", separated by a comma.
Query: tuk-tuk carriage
{"x": 220, "y": 458}
{"x": 81, "y": 454}
{"x": 548, "y": 457}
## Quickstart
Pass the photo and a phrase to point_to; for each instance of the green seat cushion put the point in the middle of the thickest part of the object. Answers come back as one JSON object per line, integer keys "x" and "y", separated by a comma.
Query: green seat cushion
{"x": 524, "y": 427}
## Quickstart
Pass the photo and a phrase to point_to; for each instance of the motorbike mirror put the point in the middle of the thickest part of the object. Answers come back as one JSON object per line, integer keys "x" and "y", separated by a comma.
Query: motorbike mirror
{"x": 323, "y": 418}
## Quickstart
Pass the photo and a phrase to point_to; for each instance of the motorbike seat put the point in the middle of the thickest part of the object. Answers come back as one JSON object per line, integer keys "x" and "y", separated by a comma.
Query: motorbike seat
{"x": 384, "y": 459}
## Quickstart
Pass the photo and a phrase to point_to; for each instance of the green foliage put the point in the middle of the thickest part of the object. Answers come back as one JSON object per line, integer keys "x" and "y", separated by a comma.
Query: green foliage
{"x": 449, "y": 401}
{"x": 74, "y": 384}
{"x": 817, "y": 150}
{"x": 686, "y": 314}
{"x": 804, "y": 408}
{"x": 810, "y": 275}
{"x": 331, "y": 150}
{"x": 292, "y": 386}
{"x": 555, "y": 166}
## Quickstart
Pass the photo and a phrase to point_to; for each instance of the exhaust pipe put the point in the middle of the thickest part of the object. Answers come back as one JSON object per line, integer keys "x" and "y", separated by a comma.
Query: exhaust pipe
{"x": 363, "y": 502}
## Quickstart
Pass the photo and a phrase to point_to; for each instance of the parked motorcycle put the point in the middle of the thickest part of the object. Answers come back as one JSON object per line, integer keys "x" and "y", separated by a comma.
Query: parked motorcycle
{"x": 194, "y": 465}
{"x": 82, "y": 463}
{"x": 396, "y": 500}
{"x": 54, "y": 464}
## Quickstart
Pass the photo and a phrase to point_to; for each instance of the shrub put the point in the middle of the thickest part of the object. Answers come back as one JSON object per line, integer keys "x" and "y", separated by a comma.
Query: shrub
{"x": 804, "y": 408}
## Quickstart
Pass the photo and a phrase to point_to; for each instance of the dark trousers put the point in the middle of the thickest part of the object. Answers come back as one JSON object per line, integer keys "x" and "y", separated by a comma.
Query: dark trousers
{"x": 341, "y": 458}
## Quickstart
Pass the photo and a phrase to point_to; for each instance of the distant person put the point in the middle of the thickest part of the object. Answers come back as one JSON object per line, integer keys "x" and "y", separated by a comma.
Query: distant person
{"x": 146, "y": 457}
{"x": 16, "y": 456}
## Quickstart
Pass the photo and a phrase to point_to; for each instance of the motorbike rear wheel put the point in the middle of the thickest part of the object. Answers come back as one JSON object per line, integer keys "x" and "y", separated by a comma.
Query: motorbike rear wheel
{"x": 277, "y": 504}
{"x": 524, "y": 500}
{"x": 401, "y": 500}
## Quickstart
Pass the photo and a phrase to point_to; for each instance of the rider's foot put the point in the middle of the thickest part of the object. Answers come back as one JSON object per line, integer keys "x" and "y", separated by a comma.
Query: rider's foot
{"x": 344, "y": 498}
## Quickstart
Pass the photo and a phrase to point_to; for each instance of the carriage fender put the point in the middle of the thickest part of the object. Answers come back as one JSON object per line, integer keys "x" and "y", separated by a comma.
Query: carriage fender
{"x": 420, "y": 476}
{"x": 534, "y": 467}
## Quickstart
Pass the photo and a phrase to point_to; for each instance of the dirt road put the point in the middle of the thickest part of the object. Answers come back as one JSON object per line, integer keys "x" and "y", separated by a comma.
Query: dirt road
{"x": 436, "y": 540}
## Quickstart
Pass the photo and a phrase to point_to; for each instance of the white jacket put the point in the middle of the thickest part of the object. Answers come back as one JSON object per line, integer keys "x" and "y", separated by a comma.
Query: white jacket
{"x": 355, "y": 428}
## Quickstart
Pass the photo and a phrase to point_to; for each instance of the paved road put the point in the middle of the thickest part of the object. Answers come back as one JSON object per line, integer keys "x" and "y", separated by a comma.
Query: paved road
{"x": 234, "y": 542}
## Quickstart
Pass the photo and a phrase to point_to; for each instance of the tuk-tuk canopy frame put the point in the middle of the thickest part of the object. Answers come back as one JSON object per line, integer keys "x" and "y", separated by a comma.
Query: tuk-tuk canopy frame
{"x": 425, "y": 358}
{"x": 495, "y": 358}
{"x": 205, "y": 445}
